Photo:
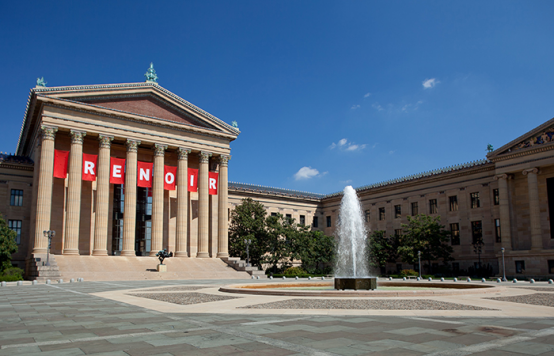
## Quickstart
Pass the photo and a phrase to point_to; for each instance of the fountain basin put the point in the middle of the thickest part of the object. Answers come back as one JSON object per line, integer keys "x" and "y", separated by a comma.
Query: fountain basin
{"x": 369, "y": 283}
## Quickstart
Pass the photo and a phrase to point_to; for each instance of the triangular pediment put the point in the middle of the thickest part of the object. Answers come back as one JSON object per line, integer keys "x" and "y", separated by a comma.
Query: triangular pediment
{"x": 539, "y": 137}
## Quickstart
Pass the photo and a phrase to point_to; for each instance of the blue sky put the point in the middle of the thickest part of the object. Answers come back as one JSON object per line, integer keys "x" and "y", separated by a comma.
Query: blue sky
{"x": 326, "y": 93}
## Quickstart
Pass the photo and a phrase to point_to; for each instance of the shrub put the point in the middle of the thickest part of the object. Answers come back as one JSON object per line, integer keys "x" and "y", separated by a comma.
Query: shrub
{"x": 408, "y": 272}
{"x": 294, "y": 271}
{"x": 12, "y": 274}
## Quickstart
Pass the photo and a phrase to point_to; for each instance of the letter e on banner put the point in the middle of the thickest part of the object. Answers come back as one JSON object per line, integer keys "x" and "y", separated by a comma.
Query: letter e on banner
{"x": 170, "y": 174}
{"x": 60, "y": 163}
{"x": 212, "y": 183}
{"x": 193, "y": 180}
{"x": 144, "y": 170}
{"x": 89, "y": 167}
{"x": 117, "y": 170}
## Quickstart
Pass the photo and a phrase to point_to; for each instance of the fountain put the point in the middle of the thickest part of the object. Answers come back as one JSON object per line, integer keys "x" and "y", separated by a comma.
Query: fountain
{"x": 351, "y": 268}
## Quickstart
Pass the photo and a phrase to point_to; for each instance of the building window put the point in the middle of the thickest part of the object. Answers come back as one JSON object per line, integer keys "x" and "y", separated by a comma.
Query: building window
{"x": 16, "y": 198}
{"x": 398, "y": 268}
{"x": 497, "y": 230}
{"x": 15, "y": 225}
{"x": 475, "y": 202}
{"x": 398, "y": 232}
{"x": 520, "y": 266}
{"x": 455, "y": 267}
{"x": 550, "y": 266}
{"x": 328, "y": 221}
{"x": 397, "y": 211}
{"x": 496, "y": 197}
{"x": 315, "y": 222}
{"x": 381, "y": 214}
{"x": 273, "y": 214}
{"x": 453, "y": 203}
{"x": 414, "y": 209}
{"x": 367, "y": 215}
{"x": 433, "y": 208}
{"x": 302, "y": 220}
{"x": 476, "y": 231}
{"x": 289, "y": 218}
{"x": 455, "y": 233}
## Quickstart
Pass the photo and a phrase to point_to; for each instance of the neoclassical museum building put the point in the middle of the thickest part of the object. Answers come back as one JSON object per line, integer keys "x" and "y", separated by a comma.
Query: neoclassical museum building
{"x": 125, "y": 170}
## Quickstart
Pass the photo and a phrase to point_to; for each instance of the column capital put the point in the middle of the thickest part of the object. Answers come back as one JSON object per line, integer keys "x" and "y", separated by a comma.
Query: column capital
{"x": 105, "y": 141}
{"x": 132, "y": 145}
{"x": 159, "y": 149}
{"x": 530, "y": 170}
{"x": 183, "y": 153}
{"x": 503, "y": 176}
{"x": 204, "y": 156}
{"x": 224, "y": 160}
{"x": 48, "y": 132}
{"x": 77, "y": 136}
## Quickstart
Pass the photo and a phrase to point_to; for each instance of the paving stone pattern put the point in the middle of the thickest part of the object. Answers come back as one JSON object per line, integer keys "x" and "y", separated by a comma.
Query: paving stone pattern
{"x": 184, "y": 298}
{"x": 379, "y": 304}
{"x": 175, "y": 289}
{"x": 543, "y": 299}
{"x": 65, "y": 319}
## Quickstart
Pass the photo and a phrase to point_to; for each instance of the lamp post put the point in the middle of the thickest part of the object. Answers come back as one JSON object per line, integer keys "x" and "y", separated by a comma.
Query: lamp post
{"x": 419, "y": 259}
{"x": 49, "y": 234}
{"x": 503, "y": 266}
{"x": 247, "y": 243}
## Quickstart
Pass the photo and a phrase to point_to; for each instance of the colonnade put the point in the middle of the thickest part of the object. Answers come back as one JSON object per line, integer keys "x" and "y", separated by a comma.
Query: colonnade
{"x": 71, "y": 237}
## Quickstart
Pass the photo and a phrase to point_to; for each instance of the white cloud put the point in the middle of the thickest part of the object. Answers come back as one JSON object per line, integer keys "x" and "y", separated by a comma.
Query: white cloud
{"x": 377, "y": 107}
{"x": 346, "y": 181}
{"x": 391, "y": 152}
{"x": 306, "y": 173}
{"x": 367, "y": 95}
{"x": 430, "y": 83}
{"x": 343, "y": 144}
{"x": 354, "y": 107}
{"x": 375, "y": 145}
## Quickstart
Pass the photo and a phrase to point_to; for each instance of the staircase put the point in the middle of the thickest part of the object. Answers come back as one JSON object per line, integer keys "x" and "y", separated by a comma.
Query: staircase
{"x": 240, "y": 265}
{"x": 36, "y": 268}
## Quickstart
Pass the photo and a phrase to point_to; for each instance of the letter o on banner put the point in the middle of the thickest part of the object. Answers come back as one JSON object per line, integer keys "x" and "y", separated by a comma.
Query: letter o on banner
{"x": 169, "y": 177}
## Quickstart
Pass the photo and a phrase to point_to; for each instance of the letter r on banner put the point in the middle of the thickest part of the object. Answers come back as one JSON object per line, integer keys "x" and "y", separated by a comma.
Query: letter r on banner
{"x": 89, "y": 167}
{"x": 169, "y": 177}
{"x": 212, "y": 183}
{"x": 192, "y": 180}
{"x": 117, "y": 170}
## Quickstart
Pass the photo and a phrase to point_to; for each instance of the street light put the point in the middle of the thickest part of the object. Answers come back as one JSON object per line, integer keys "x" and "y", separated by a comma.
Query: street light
{"x": 419, "y": 258}
{"x": 247, "y": 243}
{"x": 503, "y": 266}
{"x": 49, "y": 234}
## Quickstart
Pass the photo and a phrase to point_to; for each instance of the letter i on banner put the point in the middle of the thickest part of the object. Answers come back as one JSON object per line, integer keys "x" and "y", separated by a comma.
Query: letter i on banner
{"x": 212, "y": 184}
{"x": 89, "y": 167}
{"x": 193, "y": 180}
{"x": 169, "y": 177}
{"x": 60, "y": 163}
{"x": 117, "y": 170}
{"x": 144, "y": 179}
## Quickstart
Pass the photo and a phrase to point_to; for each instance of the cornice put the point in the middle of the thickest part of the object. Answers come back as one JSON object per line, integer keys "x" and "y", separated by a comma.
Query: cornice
{"x": 16, "y": 166}
{"x": 523, "y": 152}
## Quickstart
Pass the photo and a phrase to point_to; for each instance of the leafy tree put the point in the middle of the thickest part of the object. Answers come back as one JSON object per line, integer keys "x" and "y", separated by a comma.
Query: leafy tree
{"x": 8, "y": 246}
{"x": 281, "y": 233}
{"x": 315, "y": 249}
{"x": 425, "y": 233}
{"x": 382, "y": 249}
{"x": 248, "y": 222}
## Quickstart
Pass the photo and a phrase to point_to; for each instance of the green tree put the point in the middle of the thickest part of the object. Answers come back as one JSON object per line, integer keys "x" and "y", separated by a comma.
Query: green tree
{"x": 248, "y": 222}
{"x": 8, "y": 246}
{"x": 425, "y": 233}
{"x": 315, "y": 249}
{"x": 382, "y": 249}
{"x": 281, "y": 233}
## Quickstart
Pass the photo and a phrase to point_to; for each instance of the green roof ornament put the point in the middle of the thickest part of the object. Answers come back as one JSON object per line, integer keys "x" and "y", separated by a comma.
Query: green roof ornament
{"x": 489, "y": 148}
{"x": 235, "y": 124}
{"x": 150, "y": 74}
{"x": 41, "y": 83}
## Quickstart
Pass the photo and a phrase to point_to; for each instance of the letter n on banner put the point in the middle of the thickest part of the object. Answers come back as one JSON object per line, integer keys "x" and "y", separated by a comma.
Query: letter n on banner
{"x": 117, "y": 170}
{"x": 169, "y": 177}
{"x": 212, "y": 184}
{"x": 60, "y": 163}
{"x": 144, "y": 178}
{"x": 193, "y": 180}
{"x": 89, "y": 167}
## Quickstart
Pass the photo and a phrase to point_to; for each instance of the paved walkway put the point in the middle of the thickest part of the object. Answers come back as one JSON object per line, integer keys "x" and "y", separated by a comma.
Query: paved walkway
{"x": 102, "y": 318}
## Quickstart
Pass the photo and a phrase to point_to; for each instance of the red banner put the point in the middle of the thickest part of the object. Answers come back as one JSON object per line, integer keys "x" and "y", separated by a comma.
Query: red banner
{"x": 89, "y": 167}
{"x": 117, "y": 170}
{"x": 144, "y": 174}
{"x": 193, "y": 180}
{"x": 212, "y": 183}
{"x": 170, "y": 174}
{"x": 60, "y": 163}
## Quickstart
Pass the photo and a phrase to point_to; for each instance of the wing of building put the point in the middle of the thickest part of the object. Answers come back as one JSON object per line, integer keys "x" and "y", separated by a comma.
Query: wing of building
{"x": 100, "y": 204}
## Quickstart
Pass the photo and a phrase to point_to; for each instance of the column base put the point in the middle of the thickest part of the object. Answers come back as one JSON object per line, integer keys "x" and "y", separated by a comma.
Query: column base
{"x": 222, "y": 255}
{"x": 203, "y": 255}
{"x": 128, "y": 253}
{"x": 100, "y": 252}
{"x": 70, "y": 252}
{"x": 38, "y": 251}
{"x": 181, "y": 254}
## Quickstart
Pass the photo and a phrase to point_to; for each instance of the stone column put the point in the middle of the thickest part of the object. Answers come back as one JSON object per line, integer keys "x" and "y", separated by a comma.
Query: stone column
{"x": 534, "y": 209}
{"x": 130, "y": 204}
{"x": 73, "y": 206}
{"x": 182, "y": 203}
{"x": 223, "y": 223}
{"x": 44, "y": 193}
{"x": 504, "y": 205}
{"x": 158, "y": 199}
{"x": 203, "y": 205}
{"x": 102, "y": 197}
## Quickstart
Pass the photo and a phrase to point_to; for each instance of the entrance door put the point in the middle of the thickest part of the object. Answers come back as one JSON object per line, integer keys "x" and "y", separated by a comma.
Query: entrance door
{"x": 143, "y": 235}
{"x": 118, "y": 209}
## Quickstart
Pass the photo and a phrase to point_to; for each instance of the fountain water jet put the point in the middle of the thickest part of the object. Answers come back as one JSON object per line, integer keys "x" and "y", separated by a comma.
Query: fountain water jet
{"x": 351, "y": 268}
